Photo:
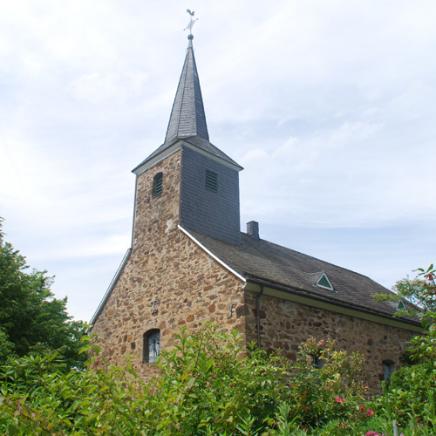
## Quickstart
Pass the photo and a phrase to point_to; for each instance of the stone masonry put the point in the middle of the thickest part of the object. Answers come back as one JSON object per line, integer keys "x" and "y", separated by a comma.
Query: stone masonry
{"x": 285, "y": 324}
{"x": 168, "y": 281}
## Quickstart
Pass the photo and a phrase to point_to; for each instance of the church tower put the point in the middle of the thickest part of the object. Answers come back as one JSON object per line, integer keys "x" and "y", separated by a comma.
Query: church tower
{"x": 185, "y": 189}
{"x": 187, "y": 181}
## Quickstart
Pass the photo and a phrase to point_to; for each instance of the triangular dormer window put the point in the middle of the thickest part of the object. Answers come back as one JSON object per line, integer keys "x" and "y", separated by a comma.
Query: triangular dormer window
{"x": 324, "y": 282}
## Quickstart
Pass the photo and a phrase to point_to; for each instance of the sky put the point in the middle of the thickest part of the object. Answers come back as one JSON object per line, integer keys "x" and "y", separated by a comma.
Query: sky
{"x": 330, "y": 106}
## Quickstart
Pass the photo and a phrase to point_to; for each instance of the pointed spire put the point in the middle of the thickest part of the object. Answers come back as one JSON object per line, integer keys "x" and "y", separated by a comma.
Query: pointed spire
{"x": 187, "y": 115}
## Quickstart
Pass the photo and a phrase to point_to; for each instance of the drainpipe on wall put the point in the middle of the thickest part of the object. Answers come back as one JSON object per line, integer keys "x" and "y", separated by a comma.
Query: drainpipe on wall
{"x": 258, "y": 314}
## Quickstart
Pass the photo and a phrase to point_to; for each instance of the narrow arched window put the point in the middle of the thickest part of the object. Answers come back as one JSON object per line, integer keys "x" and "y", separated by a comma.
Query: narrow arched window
{"x": 157, "y": 185}
{"x": 317, "y": 362}
{"x": 388, "y": 369}
{"x": 151, "y": 347}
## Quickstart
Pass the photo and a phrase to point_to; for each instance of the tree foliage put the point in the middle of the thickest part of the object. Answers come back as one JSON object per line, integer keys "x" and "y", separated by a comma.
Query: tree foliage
{"x": 31, "y": 319}
{"x": 410, "y": 394}
{"x": 207, "y": 385}
{"x": 416, "y": 297}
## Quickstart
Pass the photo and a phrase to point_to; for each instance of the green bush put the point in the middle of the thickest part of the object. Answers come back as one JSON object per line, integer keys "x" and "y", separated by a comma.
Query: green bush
{"x": 326, "y": 384}
{"x": 410, "y": 394}
{"x": 208, "y": 385}
{"x": 6, "y": 346}
{"x": 40, "y": 397}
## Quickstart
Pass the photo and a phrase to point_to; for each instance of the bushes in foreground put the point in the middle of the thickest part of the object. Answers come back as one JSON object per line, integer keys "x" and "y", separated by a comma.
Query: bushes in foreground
{"x": 207, "y": 386}
{"x": 410, "y": 395}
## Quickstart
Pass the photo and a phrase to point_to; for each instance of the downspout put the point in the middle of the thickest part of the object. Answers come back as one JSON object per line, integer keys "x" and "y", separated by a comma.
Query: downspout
{"x": 258, "y": 295}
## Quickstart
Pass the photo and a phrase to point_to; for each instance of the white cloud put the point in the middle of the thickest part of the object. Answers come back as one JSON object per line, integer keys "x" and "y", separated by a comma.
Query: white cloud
{"x": 102, "y": 87}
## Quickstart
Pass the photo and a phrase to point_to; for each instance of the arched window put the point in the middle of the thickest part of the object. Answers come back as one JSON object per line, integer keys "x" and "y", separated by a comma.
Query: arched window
{"x": 151, "y": 346}
{"x": 317, "y": 362}
{"x": 388, "y": 369}
{"x": 157, "y": 185}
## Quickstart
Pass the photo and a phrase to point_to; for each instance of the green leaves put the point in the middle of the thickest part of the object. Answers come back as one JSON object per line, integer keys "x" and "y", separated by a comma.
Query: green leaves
{"x": 208, "y": 386}
{"x": 207, "y": 383}
{"x": 411, "y": 394}
{"x": 31, "y": 319}
{"x": 416, "y": 297}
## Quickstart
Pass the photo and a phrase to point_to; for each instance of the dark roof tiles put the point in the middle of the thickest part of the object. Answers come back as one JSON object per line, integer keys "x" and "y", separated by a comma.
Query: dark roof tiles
{"x": 187, "y": 115}
{"x": 257, "y": 258}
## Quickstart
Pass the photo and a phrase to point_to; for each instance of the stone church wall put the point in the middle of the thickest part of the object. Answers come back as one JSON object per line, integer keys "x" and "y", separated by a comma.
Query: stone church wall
{"x": 168, "y": 281}
{"x": 285, "y": 324}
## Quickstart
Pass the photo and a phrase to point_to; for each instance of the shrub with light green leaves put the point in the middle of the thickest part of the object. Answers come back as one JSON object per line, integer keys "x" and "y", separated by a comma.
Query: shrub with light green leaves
{"x": 207, "y": 385}
{"x": 410, "y": 394}
{"x": 326, "y": 384}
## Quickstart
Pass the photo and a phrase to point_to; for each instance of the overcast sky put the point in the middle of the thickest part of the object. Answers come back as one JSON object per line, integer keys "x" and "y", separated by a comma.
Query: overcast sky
{"x": 330, "y": 106}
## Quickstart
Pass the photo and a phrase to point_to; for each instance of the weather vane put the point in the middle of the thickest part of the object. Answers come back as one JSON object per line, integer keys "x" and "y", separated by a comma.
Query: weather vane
{"x": 192, "y": 21}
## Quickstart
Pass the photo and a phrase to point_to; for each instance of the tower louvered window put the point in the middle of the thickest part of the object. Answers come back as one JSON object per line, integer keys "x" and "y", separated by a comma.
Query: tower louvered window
{"x": 157, "y": 185}
{"x": 211, "y": 181}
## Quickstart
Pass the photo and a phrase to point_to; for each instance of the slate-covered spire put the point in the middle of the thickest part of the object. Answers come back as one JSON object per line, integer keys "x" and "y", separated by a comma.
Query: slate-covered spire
{"x": 187, "y": 115}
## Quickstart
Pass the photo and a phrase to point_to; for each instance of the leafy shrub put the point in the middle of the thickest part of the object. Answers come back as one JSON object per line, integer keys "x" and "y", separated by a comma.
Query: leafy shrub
{"x": 326, "y": 384}
{"x": 6, "y": 346}
{"x": 206, "y": 386}
{"x": 410, "y": 394}
{"x": 207, "y": 383}
{"x": 41, "y": 397}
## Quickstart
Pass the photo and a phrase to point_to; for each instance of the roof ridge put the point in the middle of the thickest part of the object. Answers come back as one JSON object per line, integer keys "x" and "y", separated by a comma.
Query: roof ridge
{"x": 174, "y": 103}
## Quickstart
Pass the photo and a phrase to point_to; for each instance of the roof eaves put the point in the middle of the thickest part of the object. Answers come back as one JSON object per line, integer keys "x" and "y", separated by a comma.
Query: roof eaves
{"x": 219, "y": 153}
{"x": 328, "y": 299}
{"x": 154, "y": 158}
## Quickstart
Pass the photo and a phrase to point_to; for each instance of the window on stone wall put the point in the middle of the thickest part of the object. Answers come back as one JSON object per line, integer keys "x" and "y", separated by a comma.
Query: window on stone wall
{"x": 157, "y": 185}
{"x": 151, "y": 346}
{"x": 388, "y": 369}
{"x": 317, "y": 362}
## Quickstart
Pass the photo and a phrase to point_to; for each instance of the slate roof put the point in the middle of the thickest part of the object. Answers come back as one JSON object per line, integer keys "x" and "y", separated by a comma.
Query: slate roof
{"x": 257, "y": 259}
{"x": 196, "y": 141}
{"x": 187, "y": 115}
{"x": 188, "y": 119}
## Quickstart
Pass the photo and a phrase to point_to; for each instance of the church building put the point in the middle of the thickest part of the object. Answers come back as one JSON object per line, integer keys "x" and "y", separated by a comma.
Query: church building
{"x": 189, "y": 263}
